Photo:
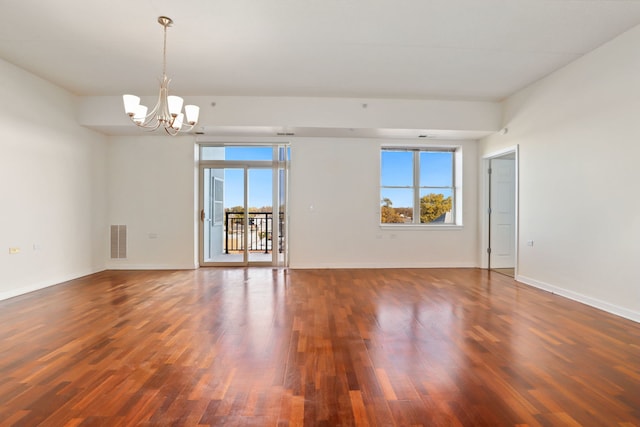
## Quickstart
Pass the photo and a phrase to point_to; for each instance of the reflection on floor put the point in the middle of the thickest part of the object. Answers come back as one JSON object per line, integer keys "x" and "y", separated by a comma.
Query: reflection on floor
{"x": 506, "y": 271}
{"x": 313, "y": 347}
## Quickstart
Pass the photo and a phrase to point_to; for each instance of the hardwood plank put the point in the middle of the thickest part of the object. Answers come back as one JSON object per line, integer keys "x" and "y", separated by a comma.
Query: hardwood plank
{"x": 264, "y": 347}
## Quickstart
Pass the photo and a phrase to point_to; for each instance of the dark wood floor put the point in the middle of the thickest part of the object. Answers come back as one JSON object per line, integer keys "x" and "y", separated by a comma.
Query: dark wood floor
{"x": 263, "y": 347}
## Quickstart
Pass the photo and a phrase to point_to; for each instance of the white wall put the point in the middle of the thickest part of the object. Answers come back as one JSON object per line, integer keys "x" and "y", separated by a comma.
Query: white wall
{"x": 579, "y": 144}
{"x": 52, "y": 187}
{"x": 152, "y": 190}
{"x": 335, "y": 208}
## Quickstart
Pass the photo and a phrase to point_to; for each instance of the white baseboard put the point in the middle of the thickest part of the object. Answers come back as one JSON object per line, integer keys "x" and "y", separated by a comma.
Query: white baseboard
{"x": 152, "y": 267}
{"x": 62, "y": 279}
{"x": 44, "y": 284}
{"x": 310, "y": 266}
{"x": 575, "y": 296}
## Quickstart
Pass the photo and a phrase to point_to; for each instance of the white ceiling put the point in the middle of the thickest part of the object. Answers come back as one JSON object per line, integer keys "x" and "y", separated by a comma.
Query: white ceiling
{"x": 417, "y": 49}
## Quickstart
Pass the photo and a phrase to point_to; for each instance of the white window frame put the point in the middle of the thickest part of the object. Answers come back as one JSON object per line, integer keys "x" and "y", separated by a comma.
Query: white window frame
{"x": 456, "y": 189}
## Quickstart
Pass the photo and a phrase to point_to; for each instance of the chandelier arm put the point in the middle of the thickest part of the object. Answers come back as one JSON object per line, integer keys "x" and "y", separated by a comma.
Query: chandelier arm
{"x": 160, "y": 116}
{"x": 187, "y": 127}
{"x": 171, "y": 131}
{"x": 151, "y": 125}
{"x": 148, "y": 128}
{"x": 151, "y": 121}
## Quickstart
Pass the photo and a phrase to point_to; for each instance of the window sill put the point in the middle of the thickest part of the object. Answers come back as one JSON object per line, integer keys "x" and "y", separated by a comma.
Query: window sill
{"x": 424, "y": 227}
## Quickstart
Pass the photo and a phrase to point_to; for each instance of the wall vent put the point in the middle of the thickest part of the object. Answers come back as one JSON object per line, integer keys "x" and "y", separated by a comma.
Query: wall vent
{"x": 118, "y": 241}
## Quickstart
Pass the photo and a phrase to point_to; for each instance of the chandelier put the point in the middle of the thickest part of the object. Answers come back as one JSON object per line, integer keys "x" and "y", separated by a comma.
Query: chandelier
{"x": 167, "y": 112}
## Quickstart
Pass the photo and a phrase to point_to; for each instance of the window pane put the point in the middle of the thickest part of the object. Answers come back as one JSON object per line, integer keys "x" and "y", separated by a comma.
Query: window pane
{"x": 234, "y": 189}
{"x": 236, "y": 153}
{"x": 436, "y": 206}
{"x": 396, "y": 205}
{"x": 211, "y": 153}
{"x": 436, "y": 169}
{"x": 396, "y": 168}
{"x": 260, "y": 190}
{"x": 248, "y": 153}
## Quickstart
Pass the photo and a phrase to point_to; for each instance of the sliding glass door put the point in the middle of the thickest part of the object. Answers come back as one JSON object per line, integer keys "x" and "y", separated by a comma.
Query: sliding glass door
{"x": 243, "y": 206}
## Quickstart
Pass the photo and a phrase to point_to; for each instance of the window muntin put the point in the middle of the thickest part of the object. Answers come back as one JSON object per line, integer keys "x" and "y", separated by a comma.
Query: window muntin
{"x": 417, "y": 186}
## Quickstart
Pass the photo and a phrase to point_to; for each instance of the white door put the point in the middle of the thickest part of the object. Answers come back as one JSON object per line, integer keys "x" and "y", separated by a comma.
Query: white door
{"x": 502, "y": 220}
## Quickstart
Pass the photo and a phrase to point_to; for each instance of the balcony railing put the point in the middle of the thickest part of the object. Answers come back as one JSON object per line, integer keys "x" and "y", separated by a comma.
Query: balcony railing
{"x": 260, "y": 232}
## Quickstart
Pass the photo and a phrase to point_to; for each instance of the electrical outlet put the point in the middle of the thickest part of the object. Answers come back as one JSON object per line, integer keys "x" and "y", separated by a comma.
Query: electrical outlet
{"x": 529, "y": 242}
{"x": 14, "y": 251}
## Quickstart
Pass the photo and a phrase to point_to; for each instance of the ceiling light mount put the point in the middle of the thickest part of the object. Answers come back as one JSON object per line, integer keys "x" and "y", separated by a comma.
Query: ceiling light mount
{"x": 165, "y": 21}
{"x": 167, "y": 112}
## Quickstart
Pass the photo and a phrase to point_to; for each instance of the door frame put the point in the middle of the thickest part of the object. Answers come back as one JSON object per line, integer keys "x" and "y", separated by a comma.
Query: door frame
{"x": 485, "y": 204}
{"x": 275, "y": 166}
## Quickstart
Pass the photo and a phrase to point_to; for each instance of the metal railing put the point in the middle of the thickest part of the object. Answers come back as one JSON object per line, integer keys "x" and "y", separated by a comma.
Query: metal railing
{"x": 260, "y": 232}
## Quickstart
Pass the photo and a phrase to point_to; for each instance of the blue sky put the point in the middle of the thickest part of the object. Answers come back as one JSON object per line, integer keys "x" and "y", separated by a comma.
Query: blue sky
{"x": 260, "y": 185}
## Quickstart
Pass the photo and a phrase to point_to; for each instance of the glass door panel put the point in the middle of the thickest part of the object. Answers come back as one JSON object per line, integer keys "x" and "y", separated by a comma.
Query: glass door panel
{"x": 261, "y": 221}
{"x": 238, "y": 216}
{"x": 234, "y": 226}
{"x": 222, "y": 216}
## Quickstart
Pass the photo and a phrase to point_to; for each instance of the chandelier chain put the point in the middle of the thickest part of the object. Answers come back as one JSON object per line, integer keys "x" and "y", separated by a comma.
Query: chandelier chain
{"x": 164, "y": 52}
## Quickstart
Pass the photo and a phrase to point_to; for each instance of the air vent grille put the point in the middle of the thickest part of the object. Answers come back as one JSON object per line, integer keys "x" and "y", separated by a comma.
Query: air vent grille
{"x": 118, "y": 241}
